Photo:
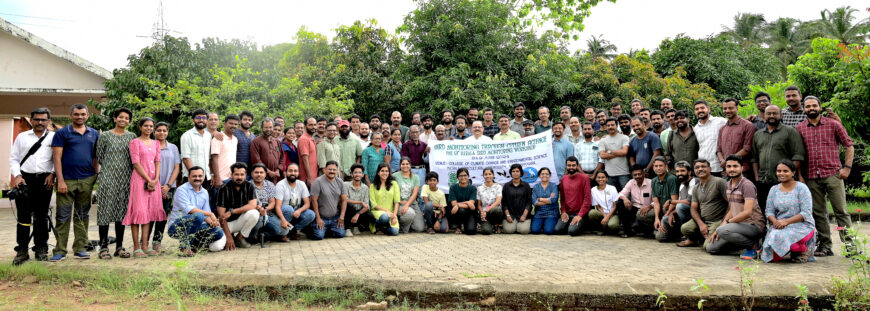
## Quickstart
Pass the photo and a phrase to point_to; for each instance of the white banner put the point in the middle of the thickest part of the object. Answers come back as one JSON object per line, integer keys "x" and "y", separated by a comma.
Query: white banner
{"x": 532, "y": 152}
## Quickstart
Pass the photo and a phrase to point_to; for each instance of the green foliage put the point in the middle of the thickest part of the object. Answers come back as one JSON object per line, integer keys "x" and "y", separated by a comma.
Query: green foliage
{"x": 777, "y": 96}
{"x": 566, "y": 15}
{"x": 852, "y": 292}
{"x": 725, "y": 66}
{"x": 803, "y": 298}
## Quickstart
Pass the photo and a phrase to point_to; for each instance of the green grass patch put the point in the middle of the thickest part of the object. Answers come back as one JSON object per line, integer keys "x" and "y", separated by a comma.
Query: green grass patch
{"x": 477, "y": 276}
{"x": 858, "y": 207}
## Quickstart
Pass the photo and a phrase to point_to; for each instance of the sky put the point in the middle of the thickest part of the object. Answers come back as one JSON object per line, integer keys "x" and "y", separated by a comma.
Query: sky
{"x": 106, "y": 32}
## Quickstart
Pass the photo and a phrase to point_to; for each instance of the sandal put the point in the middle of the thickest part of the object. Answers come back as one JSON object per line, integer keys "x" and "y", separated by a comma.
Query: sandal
{"x": 186, "y": 253}
{"x": 122, "y": 252}
{"x": 104, "y": 254}
{"x": 152, "y": 252}
{"x": 458, "y": 231}
{"x": 800, "y": 258}
{"x": 139, "y": 254}
{"x": 824, "y": 252}
{"x": 431, "y": 231}
{"x": 157, "y": 247}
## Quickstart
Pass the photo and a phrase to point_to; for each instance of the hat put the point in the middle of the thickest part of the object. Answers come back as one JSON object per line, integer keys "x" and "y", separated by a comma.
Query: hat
{"x": 343, "y": 123}
{"x": 527, "y": 121}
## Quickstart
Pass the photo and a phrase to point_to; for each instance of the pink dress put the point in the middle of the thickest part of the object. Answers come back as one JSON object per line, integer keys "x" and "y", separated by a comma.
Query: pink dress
{"x": 144, "y": 206}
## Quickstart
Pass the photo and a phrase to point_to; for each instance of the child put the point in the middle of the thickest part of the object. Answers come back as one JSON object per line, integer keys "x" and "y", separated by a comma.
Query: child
{"x": 435, "y": 199}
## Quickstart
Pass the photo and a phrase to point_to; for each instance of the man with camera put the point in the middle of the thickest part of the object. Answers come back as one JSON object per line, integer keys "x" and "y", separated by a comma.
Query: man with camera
{"x": 31, "y": 164}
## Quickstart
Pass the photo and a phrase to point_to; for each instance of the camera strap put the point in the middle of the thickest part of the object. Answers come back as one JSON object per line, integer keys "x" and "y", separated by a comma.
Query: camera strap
{"x": 34, "y": 148}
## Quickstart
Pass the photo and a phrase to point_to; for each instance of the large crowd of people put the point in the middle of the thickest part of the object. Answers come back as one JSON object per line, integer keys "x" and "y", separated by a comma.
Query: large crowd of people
{"x": 757, "y": 187}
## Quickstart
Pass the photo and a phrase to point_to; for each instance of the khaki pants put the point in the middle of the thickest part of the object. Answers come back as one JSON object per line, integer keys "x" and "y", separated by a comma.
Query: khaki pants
{"x": 524, "y": 227}
{"x": 77, "y": 199}
{"x": 595, "y": 218}
{"x": 690, "y": 230}
{"x": 830, "y": 188}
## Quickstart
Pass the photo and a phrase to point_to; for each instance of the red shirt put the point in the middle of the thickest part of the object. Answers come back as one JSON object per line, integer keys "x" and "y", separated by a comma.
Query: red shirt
{"x": 822, "y": 142}
{"x": 307, "y": 147}
{"x": 576, "y": 194}
{"x": 734, "y": 137}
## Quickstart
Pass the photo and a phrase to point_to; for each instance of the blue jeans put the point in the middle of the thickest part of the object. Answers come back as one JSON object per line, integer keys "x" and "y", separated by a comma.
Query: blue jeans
{"x": 272, "y": 225}
{"x": 192, "y": 231}
{"x": 384, "y": 221}
{"x": 305, "y": 218}
{"x": 329, "y": 225}
{"x": 547, "y": 225}
{"x": 683, "y": 214}
{"x": 618, "y": 181}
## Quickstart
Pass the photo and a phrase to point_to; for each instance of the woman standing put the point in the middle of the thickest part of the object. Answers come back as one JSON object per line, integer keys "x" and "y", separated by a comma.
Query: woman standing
{"x": 113, "y": 181}
{"x": 489, "y": 203}
{"x": 462, "y": 199}
{"x": 545, "y": 196}
{"x": 373, "y": 156}
{"x": 410, "y": 216}
{"x": 170, "y": 166}
{"x": 145, "y": 203}
{"x": 291, "y": 155}
{"x": 385, "y": 197}
{"x": 790, "y": 215}
{"x": 604, "y": 197}
{"x": 516, "y": 203}
{"x": 394, "y": 147}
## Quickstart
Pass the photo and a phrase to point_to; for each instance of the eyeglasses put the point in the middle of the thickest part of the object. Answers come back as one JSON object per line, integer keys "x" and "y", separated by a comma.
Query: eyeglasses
{"x": 39, "y": 120}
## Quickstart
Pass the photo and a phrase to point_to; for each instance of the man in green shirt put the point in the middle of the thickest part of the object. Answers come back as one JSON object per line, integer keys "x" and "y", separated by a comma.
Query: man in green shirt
{"x": 351, "y": 149}
{"x": 506, "y": 133}
{"x": 770, "y": 145}
{"x": 709, "y": 205}
{"x": 682, "y": 143}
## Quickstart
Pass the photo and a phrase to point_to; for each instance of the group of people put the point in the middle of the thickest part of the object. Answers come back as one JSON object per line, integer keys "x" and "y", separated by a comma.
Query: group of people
{"x": 751, "y": 186}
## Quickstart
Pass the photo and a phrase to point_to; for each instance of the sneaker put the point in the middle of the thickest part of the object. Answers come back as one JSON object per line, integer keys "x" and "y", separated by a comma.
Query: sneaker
{"x": 41, "y": 256}
{"x": 348, "y": 233}
{"x": 82, "y": 255}
{"x": 749, "y": 254}
{"x": 241, "y": 243}
{"x": 20, "y": 258}
{"x": 57, "y": 257}
{"x": 355, "y": 230}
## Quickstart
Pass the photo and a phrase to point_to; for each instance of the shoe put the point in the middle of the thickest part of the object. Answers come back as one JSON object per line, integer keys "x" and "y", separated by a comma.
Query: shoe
{"x": 824, "y": 252}
{"x": 749, "y": 254}
{"x": 355, "y": 230}
{"x": 57, "y": 257}
{"x": 20, "y": 258}
{"x": 42, "y": 256}
{"x": 686, "y": 243}
{"x": 82, "y": 255}
{"x": 348, "y": 233}
{"x": 242, "y": 243}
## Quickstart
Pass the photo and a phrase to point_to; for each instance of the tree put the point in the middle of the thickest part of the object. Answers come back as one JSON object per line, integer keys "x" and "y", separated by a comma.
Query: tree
{"x": 748, "y": 29}
{"x": 788, "y": 38}
{"x": 599, "y": 47}
{"x": 838, "y": 25}
{"x": 566, "y": 15}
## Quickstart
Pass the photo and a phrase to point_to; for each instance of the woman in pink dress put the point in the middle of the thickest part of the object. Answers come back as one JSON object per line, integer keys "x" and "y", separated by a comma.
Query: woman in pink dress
{"x": 146, "y": 203}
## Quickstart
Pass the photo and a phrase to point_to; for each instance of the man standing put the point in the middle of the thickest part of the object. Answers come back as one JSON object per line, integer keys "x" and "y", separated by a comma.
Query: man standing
{"x": 328, "y": 149}
{"x": 477, "y": 132}
{"x": 237, "y": 207}
{"x": 396, "y": 123}
{"x": 644, "y": 115}
{"x": 267, "y": 150}
{"x": 543, "y": 123}
{"x": 614, "y": 151}
{"x": 428, "y": 127}
{"x": 490, "y": 127}
{"x": 195, "y": 146}
{"x": 321, "y": 129}
{"x": 682, "y": 143}
{"x": 245, "y": 137}
{"x": 589, "y": 114}
{"x": 354, "y": 121}
{"x": 665, "y": 192}
{"x": 374, "y": 123}
{"x": 31, "y": 164}
{"x": 562, "y": 149}
{"x": 615, "y": 110}
{"x": 794, "y": 115}
{"x": 644, "y": 147}
{"x": 587, "y": 152}
{"x": 472, "y": 115}
{"x": 762, "y": 100}
{"x": 308, "y": 152}
{"x": 460, "y": 131}
{"x": 519, "y": 119}
{"x": 223, "y": 152}
{"x": 822, "y": 138}
{"x": 505, "y": 132}
{"x": 576, "y": 197}
{"x": 657, "y": 118}
{"x": 415, "y": 150}
{"x": 707, "y": 132}
{"x": 447, "y": 122}
{"x": 415, "y": 118}
{"x": 574, "y": 133}
{"x": 735, "y": 137}
{"x": 212, "y": 124}
{"x": 709, "y": 205}
{"x": 636, "y": 105}
{"x": 744, "y": 222}
{"x": 351, "y": 149}
{"x": 769, "y": 146}
{"x": 329, "y": 202}
{"x": 565, "y": 114}
{"x": 625, "y": 125}
{"x": 191, "y": 221}
{"x": 666, "y": 104}
{"x": 364, "y": 137}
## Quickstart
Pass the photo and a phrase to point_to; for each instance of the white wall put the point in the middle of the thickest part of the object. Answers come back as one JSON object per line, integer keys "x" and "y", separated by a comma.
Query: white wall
{"x": 23, "y": 65}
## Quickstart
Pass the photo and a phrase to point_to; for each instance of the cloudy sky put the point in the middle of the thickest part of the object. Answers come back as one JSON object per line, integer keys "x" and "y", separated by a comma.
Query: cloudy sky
{"x": 106, "y": 32}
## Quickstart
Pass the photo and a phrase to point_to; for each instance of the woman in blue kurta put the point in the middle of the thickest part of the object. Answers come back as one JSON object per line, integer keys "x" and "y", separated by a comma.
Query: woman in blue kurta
{"x": 545, "y": 196}
{"x": 789, "y": 213}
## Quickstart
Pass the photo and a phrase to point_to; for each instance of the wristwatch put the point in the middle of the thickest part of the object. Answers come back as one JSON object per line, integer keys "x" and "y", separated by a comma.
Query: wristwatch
{"x": 848, "y": 166}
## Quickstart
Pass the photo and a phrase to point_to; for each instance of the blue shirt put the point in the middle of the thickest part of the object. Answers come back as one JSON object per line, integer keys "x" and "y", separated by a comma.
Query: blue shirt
{"x": 169, "y": 157}
{"x": 551, "y": 192}
{"x": 79, "y": 151}
{"x": 597, "y": 127}
{"x": 642, "y": 149}
{"x": 186, "y": 199}
{"x": 243, "y": 151}
{"x": 395, "y": 156}
{"x": 562, "y": 149}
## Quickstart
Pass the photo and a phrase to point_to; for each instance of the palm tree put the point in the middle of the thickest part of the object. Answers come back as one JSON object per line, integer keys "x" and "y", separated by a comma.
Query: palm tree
{"x": 748, "y": 29}
{"x": 599, "y": 47}
{"x": 838, "y": 25}
{"x": 789, "y": 38}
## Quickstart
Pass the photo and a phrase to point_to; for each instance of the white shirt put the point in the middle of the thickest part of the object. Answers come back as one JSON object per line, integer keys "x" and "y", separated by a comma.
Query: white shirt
{"x": 482, "y": 138}
{"x": 708, "y": 139}
{"x": 426, "y": 137}
{"x": 39, "y": 162}
{"x": 604, "y": 198}
{"x": 365, "y": 143}
{"x": 291, "y": 195}
{"x": 196, "y": 147}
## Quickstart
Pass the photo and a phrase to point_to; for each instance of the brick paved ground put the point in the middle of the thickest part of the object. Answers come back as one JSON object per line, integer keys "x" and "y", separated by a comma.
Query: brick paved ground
{"x": 552, "y": 264}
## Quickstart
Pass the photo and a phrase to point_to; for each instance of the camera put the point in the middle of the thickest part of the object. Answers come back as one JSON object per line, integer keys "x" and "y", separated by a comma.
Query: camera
{"x": 16, "y": 193}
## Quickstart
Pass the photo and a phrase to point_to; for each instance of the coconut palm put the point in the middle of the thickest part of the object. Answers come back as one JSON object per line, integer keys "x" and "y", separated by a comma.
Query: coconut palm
{"x": 599, "y": 47}
{"x": 748, "y": 29}
{"x": 789, "y": 38}
{"x": 838, "y": 25}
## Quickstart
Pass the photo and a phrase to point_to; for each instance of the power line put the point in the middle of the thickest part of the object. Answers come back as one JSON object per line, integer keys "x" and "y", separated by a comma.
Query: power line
{"x": 38, "y": 17}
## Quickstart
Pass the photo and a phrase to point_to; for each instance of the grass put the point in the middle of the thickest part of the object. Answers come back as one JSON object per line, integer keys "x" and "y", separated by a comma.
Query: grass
{"x": 854, "y": 206}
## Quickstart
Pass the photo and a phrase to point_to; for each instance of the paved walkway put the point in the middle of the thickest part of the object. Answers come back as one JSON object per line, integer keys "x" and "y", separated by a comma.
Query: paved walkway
{"x": 499, "y": 263}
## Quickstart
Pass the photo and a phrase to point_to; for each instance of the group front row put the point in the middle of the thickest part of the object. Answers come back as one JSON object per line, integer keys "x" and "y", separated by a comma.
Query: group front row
{"x": 725, "y": 216}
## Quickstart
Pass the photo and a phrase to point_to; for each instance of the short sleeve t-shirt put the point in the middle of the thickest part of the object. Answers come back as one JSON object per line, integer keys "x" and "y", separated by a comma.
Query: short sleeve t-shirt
{"x": 406, "y": 185}
{"x": 79, "y": 151}
{"x": 642, "y": 149}
{"x": 361, "y": 194}
{"x": 231, "y": 198}
{"x": 604, "y": 198}
{"x": 617, "y": 166}
{"x": 436, "y": 197}
{"x": 328, "y": 195}
{"x": 737, "y": 196}
{"x": 291, "y": 195}
{"x": 264, "y": 193}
